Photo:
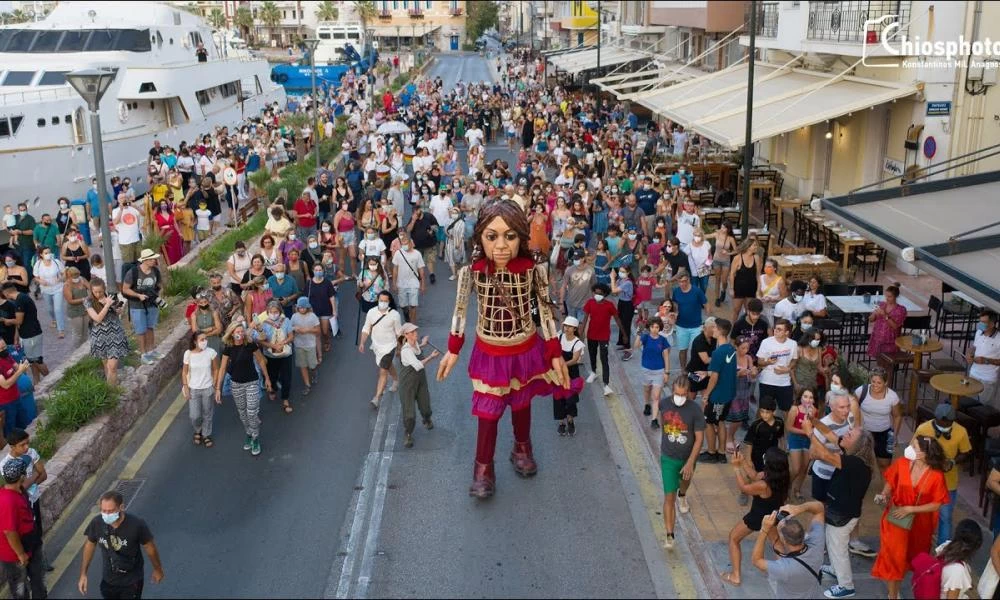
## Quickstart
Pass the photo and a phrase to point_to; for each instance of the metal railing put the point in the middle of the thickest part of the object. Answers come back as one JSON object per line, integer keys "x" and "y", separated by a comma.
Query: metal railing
{"x": 33, "y": 96}
{"x": 767, "y": 19}
{"x": 846, "y": 21}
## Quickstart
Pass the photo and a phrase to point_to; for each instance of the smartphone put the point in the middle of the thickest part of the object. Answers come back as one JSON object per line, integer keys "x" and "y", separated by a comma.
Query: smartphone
{"x": 694, "y": 377}
{"x": 850, "y": 420}
{"x": 738, "y": 449}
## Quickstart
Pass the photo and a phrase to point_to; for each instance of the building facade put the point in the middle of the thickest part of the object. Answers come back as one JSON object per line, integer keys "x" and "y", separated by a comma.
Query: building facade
{"x": 437, "y": 24}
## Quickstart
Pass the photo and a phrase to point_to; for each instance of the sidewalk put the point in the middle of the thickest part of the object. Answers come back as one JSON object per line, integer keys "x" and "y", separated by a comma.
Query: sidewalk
{"x": 714, "y": 508}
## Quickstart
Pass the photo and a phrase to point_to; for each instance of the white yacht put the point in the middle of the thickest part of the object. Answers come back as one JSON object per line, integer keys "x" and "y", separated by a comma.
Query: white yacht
{"x": 160, "y": 92}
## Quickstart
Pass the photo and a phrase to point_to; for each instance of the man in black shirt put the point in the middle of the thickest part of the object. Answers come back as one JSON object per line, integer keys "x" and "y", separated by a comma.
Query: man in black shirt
{"x": 324, "y": 191}
{"x": 120, "y": 536}
{"x": 701, "y": 355}
{"x": 423, "y": 231}
{"x": 752, "y": 325}
{"x": 8, "y": 322}
{"x": 854, "y": 462}
{"x": 28, "y": 329}
{"x": 675, "y": 258}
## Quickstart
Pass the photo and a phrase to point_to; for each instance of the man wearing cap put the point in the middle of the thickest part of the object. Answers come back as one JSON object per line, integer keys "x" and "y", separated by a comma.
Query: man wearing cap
{"x": 954, "y": 440}
{"x": 142, "y": 288}
{"x": 306, "y": 327}
{"x": 577, "y": 282}
{"x": 413, "y": 388}
{"x": 21, "y": 544}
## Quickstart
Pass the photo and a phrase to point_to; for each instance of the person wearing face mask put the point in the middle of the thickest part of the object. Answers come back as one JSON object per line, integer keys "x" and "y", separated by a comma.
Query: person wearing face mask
{"x": 984, "y": 358}
{"x": 108, "y": 341}
{"x": 683, "y": 426}
{"x": 623, "y": 286}
{"x": 954, "y": 441}
{"x": 792, "y": 306}
{"x": 75, "y": 252}
{"x": 284, "y": 288}
{"x": 21, "y": 559}
{"x": 808, "y": 367}
{"x": 322, "y": 295}
{"x": 75, "y": 291}
{"x": 49, "y": 274}
{"x": 274, "y": 335}
{"x": 237, "y": 266}
{"x": 64, "y": 220}
{"x": 244, "y": 364}
{"x": 292, "y": 243}
{"x": 173, "y": 244}
{"x": 198, "y": 374}
{"x": 306, "y": 326}
{"x": 805, "y": 324}
{"x": 24, "y": 229}
{"x": 122, "y": 537}
{"x": 383, "y": 325}
{"x": 223, "y": 299}
{"x": 596, "y": 329}
{"x": 206, "y": 320}
{"x": 408, "y": 275}
{"x": 882, "y": 414}
{"x": 578, "y": 281}
{"x": 915, "y": 490}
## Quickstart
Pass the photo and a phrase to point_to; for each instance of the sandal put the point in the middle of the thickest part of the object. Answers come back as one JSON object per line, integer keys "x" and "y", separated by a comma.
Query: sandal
{"x": 197, "y": 439}
{"x": 288, "y": 408}
{"x": 306, "y": 391}
{"x": 208, "y": 441}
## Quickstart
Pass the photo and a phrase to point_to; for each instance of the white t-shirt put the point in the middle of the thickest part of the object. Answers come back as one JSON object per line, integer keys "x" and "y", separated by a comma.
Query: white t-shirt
{"x": 374, "y": 247}
{"x": 785, "y": 352}
{"x": 33, "y": 492}
{"x": 986, "y": 347}
{"x": 384, "y": 335}
{"x": 130, "y": 225}
{"x": 439, "y": 208}
{"x": 813, "y": 302}
{"x": 791, "y": 311}
{"x": 954, "y": 576}
{"x": 204, "y": 219}
{"x": 199, "y": 368}
{"x": 49, "y": 276}
{"x": 877, "y": 414}
{"x": 474, "y": 136}
{"x": 409, "y": 357}
{"x": 822, "y": 469}
{"x": 405, "y": 277}
{"x": 686, "y": 224}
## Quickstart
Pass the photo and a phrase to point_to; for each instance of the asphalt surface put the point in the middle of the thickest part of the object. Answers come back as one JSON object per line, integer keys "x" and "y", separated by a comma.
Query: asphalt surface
{"x": 336, "y": 507}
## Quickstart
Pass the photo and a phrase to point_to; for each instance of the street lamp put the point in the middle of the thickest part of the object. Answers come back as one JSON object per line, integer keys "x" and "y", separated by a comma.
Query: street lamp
{"x": 91, "y": 85}
{"x": 310, "y": 44}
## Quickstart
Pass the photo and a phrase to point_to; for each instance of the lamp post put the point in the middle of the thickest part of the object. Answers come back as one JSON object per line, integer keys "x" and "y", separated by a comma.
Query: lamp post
{"x": 310, "y": 44}
{"x": 397, "y": 39}
{"x": 91, "y": 85}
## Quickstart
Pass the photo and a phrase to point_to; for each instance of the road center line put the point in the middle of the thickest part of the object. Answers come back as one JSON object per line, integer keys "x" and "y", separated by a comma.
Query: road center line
{"x": 378, "y": 504}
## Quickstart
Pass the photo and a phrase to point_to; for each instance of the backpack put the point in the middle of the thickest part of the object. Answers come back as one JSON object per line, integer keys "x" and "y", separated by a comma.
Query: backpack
{"x": 926, "y": 582}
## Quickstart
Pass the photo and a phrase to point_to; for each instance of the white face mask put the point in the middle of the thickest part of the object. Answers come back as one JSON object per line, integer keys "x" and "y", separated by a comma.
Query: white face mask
{"x": 313, "y": 245}
{"x": 910, "y": 453}
{"x": 598, "y": 297}
{"x": 291, "y": 237}
{"x": 577, "y": 262}
{"x": 202, "y": 344}
{"x": 632, "y": 236}
{"x": 326, "y": 229}
{"x": 836, "y": 388}
{"x": 383, "y": 305}
{"x": 679, "y": 400}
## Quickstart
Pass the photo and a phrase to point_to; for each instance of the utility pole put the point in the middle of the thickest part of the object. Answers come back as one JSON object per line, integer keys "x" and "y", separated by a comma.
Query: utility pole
{"x": 748, "y": 139}
{"x": 531, "y": 7}
{"x": 598, "y": 38}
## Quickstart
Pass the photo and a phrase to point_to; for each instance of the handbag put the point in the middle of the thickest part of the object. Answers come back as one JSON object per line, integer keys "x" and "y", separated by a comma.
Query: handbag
{"x": 904, "y": 522}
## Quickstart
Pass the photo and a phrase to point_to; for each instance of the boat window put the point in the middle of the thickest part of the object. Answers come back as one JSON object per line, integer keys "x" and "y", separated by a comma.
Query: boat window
{"x": 18, "y": 78}
{"x": 148, "y": 86}
{"x": 15, "y": 124}
{"x": 40, "y": 122}
{"x": 46, "y": 41}
{"x": 133, "y": 40}
{"x": 73, "y": 41}
{"x": 68, "y": 119}
{"x": 202, "y": 97}
{"x": 20, "y": 40}
{"x": 4, "y": 128}
{"x": 53, "y": 78}
{"x": 323, "y": 35}
{"x": 159, "y": 39}
{"x": 101, "y": 41}
{"x": 340, "y": 35}
{"x": 55, "y": 120}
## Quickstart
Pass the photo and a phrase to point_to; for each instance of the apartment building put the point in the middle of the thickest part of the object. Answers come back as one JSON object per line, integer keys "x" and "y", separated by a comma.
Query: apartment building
{"x": 435, "y": 23}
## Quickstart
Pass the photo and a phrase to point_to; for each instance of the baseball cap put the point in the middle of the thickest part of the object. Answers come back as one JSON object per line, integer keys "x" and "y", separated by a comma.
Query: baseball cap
{"x": 303, "y": 302}
{"x": 408, "y": 328}
{"x": 14, "y": 470}
{"x": 571, "y": 321}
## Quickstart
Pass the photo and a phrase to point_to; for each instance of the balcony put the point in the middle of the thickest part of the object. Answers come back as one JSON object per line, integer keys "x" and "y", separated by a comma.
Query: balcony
{"x": 767, "y": 19}
{"x": 416, "y": 13}
{"x": 847, "y": 21}
{"x": 456, "y": 11}
{"x": 580, "y": 22}
{"x": 385, "y": 14}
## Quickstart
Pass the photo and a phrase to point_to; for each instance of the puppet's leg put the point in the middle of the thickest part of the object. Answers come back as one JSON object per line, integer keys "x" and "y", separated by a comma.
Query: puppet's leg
{"x": 521, "y": 456}
{"x": 483, "y": 476}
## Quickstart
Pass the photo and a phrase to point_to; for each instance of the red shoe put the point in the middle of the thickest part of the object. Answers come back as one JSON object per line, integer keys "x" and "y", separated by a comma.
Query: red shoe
{"x": 484, "y": 481}
{"x": 522, "y": 459}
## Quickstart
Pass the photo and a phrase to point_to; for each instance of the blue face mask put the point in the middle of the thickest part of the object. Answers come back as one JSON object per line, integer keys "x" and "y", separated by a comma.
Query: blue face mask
{"x": 109, "y": 518}
{"x": 980, "y": 326}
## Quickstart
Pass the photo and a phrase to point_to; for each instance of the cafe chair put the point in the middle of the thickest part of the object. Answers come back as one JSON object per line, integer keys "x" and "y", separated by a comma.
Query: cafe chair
{"x": 870, "y": 258}
{"x": 950, "y": 324}
{"x": 713, "y": 219}
{"x": 733, "y": 216}
{"x": 833, "y": 246}
{"x": 838, "y": 289}
{"x": 979, "y": 418}
{"x": 706, "y": 198}
{"x": 874, "y": 290}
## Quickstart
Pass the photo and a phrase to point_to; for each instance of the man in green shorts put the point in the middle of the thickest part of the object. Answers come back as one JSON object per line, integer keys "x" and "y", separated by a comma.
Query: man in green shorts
{"x": 683, "y": 423}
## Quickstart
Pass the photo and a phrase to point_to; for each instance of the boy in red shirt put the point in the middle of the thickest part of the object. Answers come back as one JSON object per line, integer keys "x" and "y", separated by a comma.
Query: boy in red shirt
{"x": 20, "y": 545}
{"x": 596, "y": 329}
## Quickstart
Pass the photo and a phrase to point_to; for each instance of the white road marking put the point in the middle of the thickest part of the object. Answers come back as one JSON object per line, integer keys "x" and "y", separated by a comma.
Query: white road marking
{"x": 378, "y": 504}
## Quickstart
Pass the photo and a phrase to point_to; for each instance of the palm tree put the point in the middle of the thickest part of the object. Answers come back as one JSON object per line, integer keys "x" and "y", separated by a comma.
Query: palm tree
{"x": 269, "y": 14}
{"x": 217, "y": 19}
{"x": 327, "y": 11}
{"x": 19, "y": 16}
{"x": 243, "y": 20}
{"x": 366, "y": 12}
{"x": 298, "y": 14}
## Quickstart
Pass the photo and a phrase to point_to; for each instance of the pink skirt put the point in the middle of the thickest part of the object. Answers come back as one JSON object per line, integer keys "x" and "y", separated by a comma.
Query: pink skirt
{"x": 502, "y": 381}
{"x": 575, "y": 387}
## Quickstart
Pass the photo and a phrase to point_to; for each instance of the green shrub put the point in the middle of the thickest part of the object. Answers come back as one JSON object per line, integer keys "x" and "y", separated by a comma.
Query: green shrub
{"x": 153, "y": 240}
{"x": 88, "y": 365}
{"x": 77, "y": 399}
{"x": 44, "y": 440}
{"x": 181, "y": 280}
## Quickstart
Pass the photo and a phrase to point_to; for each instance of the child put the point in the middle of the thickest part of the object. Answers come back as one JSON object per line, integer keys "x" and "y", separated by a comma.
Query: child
{"x": 655, "y": 362}
{"x": 654, "y": 251}
{"x": 765, "y": 432}
{"x": 20, "y": 449}
{"x": 9, "y": 221}
{"x": 643, "y": 298}
{"x": 564, "y": 401}
{"x": 204, "y": 225}
{"x": 668, "y": 314}
{"x": 798, "y": 441}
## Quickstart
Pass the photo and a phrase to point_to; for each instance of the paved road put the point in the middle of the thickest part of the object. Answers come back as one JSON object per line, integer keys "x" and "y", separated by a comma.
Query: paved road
{"x": 335, "y": 506}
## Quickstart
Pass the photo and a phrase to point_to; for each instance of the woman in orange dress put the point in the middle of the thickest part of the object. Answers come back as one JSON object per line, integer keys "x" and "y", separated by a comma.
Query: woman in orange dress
{"x": 915, "y": 485}
{"x": 538, "y": 238}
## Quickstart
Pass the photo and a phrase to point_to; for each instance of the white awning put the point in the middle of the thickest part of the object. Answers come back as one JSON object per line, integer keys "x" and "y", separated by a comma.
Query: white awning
{"x": 581, "y": 60}
{"x": 620, "y": 84}
{"x": 390, "y": 31}
{"x": 952, "y": 225}
{"x": 785, "y": 99}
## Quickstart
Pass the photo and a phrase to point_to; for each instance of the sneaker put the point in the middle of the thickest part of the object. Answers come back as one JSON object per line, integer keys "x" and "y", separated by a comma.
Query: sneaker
{"x": 608, "y": 391}
{"x": 721, "y": 458}
{"x": 592, "y": 378}
{"x": 571, "y": 428}
{"x": 247, "y": 443}
{"x": 861, "y": 549}
{"x": 408, "y": 441}
{"x": 146, "y": 359}
{"x": 839, "y": 591}
{"x": 718, "y": 302}
{"x": 561, "y": 429}
{"x": 682, "y": 505}
{"x": 375, "y": 401}
{"x": 828, "y": 571}
{"x": 255, "y": 447}
{"x": 428, "y": 424}
{"x": 647, "y": 410}
{"x": 155, "y": 355}
{"x": 706, "y": 457}
{"x": 668, "y": 542}
{"x": 627, "y": 355}
{"x": 394, "y": 386}
{"x": 433, "y": 279}
{"x": 451, "y": 278}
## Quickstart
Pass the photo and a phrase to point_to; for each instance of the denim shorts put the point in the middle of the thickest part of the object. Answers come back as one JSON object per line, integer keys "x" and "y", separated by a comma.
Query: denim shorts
{"x": 408, "y": 297}
{"x": 144, "y": 318}
{"x": 686, "y": 335}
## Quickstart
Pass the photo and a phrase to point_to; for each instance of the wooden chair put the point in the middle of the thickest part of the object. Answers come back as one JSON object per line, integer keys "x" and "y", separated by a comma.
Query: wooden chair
{"x": 713, "y": 219}
{"x": 870, "y": 257}
{"x": 706, "y": 199}
{"x": 733, "y": 216}
{"x": 833, "y": 245}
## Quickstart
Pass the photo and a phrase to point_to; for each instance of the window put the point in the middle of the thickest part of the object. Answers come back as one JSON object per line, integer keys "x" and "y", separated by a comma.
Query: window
{"x": 4, "y": 128}
{"x": 73, "y": 41}
{"x": 340, "y": 35}
{"x": 406, "y": 4}
{"x": 323, "y": 35}
{"x": 427, "y": 4}
{"x": 46, "y": 41}
{"x": 53, "y": 78}
{"x": 18, "y": 78}
{"x": 15, "y": 124}
{"x": 20, "y": 41}
{"x": 55, "y": 120}
{"x": 68, "y": 119}
{"x": 147, "y": 86}
{"x": 228, "y": 89}
{"x": 100, "y": 41}
{"x": 41, "y": 122}
{"x": 202, "y": 96}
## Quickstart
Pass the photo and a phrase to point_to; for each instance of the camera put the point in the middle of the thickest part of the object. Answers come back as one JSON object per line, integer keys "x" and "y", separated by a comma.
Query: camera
{"x": 117, "y": 302}
{"x": 783, "y": 514}
{"x": 160, "y": 303}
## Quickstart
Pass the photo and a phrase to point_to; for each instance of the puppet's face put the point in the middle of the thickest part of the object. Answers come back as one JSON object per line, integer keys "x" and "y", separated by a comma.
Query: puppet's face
{"x": 500, "y": 242}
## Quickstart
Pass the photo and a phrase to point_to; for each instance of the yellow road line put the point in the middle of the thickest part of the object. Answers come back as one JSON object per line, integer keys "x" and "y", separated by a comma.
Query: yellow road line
{"x": 72, "y": 547}
{"x": 652, "y": 496}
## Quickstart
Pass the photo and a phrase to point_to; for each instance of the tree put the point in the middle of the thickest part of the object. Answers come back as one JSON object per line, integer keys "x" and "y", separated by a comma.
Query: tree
{"x": 327, "y": 11}
{"x": 18, "y": 16}
{"x": 243, "y": 20}
{"x": 482, "y": 16}
{"x": 269, "y": 14}
{"x": 366, "y": 12}
{"x": 216, "y": 19}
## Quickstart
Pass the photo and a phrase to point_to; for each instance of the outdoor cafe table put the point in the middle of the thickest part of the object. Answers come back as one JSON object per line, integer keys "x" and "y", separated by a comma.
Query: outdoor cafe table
{"x": 951, "y": 384}
{"x": 780, "y": 204}
{"x": 857, "y": 304}
{"x": 803, "y": 266}
{"x": 848, "y": 239}
{"x": 905, "y": 343}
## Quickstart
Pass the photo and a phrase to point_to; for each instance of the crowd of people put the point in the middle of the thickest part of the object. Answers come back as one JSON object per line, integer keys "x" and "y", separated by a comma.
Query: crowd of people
{"x": 621, "y": 242}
